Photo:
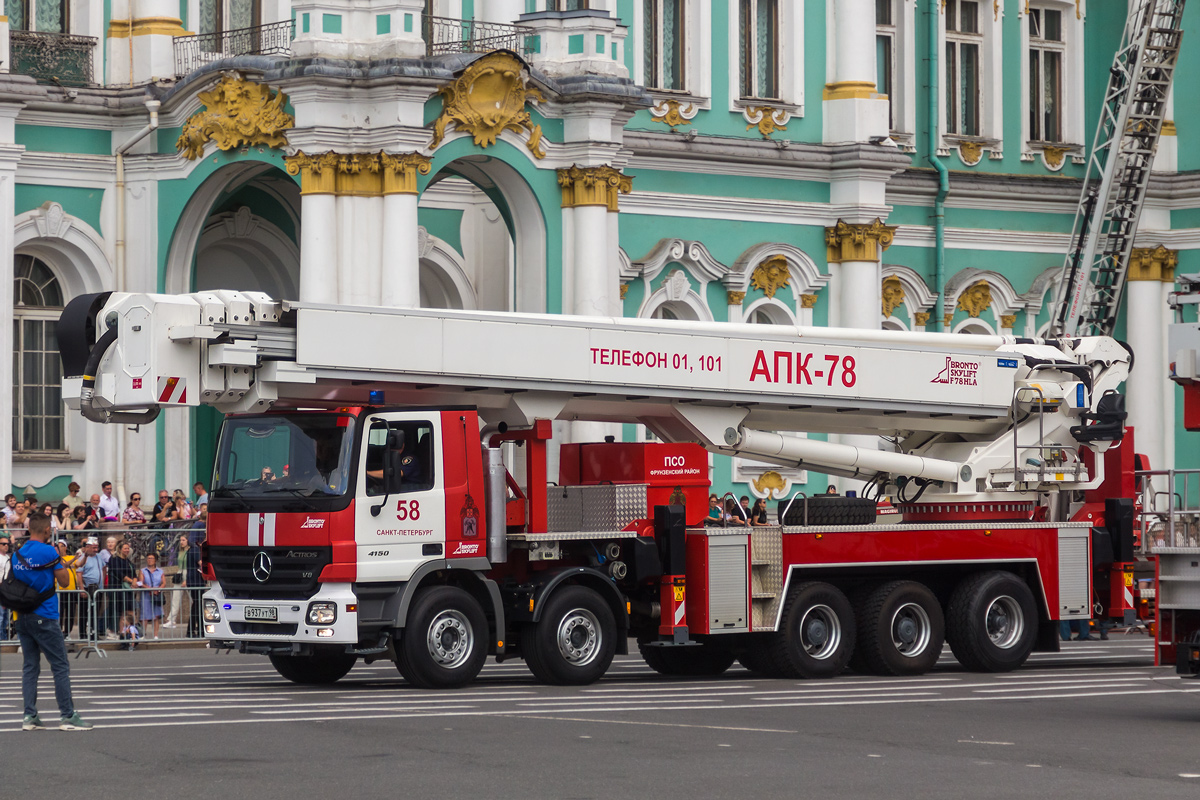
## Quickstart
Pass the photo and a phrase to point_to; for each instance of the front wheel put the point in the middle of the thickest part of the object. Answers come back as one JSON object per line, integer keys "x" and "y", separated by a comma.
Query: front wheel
{"x": 444, "y": 643}
{"x": 991, "y": 622}
{"x": 321, "y": 668}
{"x": 574, "y": 641}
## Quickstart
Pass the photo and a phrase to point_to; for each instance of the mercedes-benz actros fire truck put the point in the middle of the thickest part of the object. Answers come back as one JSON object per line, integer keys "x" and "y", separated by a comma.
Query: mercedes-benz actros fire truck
{"x": 361, "y": 506}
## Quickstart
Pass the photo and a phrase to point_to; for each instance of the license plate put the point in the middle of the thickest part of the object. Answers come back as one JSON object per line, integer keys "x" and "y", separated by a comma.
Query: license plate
{"x": 262, "y": 614}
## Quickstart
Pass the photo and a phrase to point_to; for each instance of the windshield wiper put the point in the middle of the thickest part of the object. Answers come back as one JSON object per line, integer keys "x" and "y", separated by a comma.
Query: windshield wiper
{"x": 296, "y": 493}
{"x": 222, "y": 491}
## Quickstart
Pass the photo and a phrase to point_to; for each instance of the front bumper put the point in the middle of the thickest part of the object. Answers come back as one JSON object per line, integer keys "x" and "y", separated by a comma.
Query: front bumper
{"x": 292, "y": 626}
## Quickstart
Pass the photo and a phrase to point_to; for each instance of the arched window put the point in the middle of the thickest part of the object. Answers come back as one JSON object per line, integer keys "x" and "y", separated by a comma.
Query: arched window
{"x": 673, "y": 309}
{"x": 38, "y": 418}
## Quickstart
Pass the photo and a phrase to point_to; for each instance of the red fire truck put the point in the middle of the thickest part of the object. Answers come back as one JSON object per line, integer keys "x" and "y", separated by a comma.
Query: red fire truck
{"x": 393, "y": 502}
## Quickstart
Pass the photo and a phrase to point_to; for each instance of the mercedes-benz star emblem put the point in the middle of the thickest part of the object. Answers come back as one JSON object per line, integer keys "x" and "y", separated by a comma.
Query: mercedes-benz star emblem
{"x": 261, "y": 567}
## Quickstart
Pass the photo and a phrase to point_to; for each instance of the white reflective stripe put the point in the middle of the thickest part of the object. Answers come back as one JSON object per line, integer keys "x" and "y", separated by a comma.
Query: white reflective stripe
{"x": 252, "y": 530}
{"x": 1128, "y": 597}
{"x": 679, "y": 614}
{"x": 268, "y": 530}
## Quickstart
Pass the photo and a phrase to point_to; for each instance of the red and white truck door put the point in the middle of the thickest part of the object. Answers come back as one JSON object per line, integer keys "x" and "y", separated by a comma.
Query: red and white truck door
{"x": 408, "y": 526}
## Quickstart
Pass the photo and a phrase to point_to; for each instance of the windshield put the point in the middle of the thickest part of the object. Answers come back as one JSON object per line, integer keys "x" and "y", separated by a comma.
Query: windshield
{"x": 303, "y": 455}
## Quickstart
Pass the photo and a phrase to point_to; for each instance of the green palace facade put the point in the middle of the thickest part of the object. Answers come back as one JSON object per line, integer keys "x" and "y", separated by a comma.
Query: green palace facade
{"x": 766, "y": 161}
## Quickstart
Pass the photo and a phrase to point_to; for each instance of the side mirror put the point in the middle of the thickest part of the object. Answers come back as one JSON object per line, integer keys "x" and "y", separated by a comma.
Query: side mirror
{"x": 392, "y": 455}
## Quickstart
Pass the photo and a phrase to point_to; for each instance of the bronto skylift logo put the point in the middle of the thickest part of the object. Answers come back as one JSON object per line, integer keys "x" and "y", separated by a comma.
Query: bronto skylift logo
{"x": 959, "y": 373}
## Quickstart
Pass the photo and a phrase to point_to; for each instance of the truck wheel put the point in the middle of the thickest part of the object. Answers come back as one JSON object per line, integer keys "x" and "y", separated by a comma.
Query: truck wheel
{"x": 706, "y": 659}
{"x": 322, "y": 667}
{"x": 816, "y": 638}
{"x": 574, "y": 641}
{"x": 991, "y": 622}
{"x": 900, "y": 629}
{"x": 444, "y": 643}
{"x": 758, "y": 657}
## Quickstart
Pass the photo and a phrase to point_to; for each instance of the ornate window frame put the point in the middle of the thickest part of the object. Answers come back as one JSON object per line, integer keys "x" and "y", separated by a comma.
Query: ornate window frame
{"x": 1004, "y": 300}
{"x": 804, "y": 280}
{"x": 991, "y": 88}
{"x": 1074, "y": 15}
{"x": 790, "y": 61}
{"x": 697, "y": 57}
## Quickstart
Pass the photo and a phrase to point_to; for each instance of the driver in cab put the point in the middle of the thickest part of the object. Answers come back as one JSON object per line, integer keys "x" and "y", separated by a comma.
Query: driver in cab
{"x": 409, "y": 465}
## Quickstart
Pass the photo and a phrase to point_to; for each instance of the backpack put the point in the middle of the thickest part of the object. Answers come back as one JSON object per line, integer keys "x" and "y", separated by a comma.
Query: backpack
{"x": 16, "y": 595}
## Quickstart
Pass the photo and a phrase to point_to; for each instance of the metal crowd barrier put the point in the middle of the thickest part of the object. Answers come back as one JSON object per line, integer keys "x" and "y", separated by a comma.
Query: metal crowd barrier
{"x": 89, "y": 619}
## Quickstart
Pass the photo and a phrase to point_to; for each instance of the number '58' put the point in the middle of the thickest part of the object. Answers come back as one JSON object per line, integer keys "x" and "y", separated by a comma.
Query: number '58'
{"x": 408, "y": 510}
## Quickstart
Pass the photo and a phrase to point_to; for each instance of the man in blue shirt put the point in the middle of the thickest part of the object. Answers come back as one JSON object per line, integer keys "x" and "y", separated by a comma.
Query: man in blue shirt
{"x": 38, "y": 565}
{"x": 89, "y": 569}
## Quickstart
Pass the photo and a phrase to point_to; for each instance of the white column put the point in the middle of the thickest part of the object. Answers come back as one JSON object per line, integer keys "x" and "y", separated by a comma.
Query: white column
{"x": 155, "y": 24}
{"x": 318, "y": 248}
{"x": 854, "y": 111}
{"x": 401, "y": 279}
{"x": 9, "y": 155}
{"x": 861, "y": 298}
{"x": 594, "y": 286}
{"x": 505, "y": 11}
{"x": 1143, "y": 390}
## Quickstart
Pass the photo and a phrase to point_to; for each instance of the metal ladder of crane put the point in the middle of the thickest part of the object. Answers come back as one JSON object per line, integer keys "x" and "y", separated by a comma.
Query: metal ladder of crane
{"x": 1114, "y": 189}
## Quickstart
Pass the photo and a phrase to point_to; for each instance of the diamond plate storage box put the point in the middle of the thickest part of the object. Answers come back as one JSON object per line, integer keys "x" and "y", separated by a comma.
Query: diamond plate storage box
{"x": 610, "y": 507}
{"x": 594, "y": 508}
{"x": 564, "y": 509}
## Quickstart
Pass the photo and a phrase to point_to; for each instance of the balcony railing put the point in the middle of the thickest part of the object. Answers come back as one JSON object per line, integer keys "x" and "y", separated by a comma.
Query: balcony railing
{"x": 60, "y": 58}
{"x": 193, "y": 52}
{"x": 444, "y": 35}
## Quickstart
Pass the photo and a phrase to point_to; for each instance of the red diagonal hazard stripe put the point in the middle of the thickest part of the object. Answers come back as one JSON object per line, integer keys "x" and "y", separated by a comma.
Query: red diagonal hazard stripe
{"x": 165, "y": 395}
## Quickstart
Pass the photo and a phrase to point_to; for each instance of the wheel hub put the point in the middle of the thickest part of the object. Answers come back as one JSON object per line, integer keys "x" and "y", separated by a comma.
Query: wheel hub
{"x": 450, "y": 640}
{"x": 1005, "y": 622}
{"x": 911, "y": 630}
{"x": 578, "y": 637}
{"x": 820, "y": 632}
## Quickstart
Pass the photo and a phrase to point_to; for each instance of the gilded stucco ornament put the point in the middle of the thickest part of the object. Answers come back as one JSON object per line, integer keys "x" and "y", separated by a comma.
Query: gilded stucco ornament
{"x": 808, "y": 301}
{"x": 236, "y": 112}
{"x": 771, "y": 275}
{"x": 488, "y": 99}
{"x": 1054, "y": 156}
{"x": 766, "y": 119}
{"x": 671, "y": 112}
{"x": 921, "y": 318}
{"x": 735, "y": 298}
{"x": 976, "y": 299}
{"x": 770, "y": 484}
{"x": 893, "y": 294}
{"x": 624, "y": 290}
{"x": 1008, "y": 321}
{"x": 848, "y": 241}
{"x": 970, "y": 152}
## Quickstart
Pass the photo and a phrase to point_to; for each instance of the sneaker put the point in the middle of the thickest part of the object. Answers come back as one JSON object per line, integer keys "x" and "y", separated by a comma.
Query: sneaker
{"x": 74, "y": 723}
{"x": 110, "y": 636}
{"x": 32, "y": 722}
{"x": 168, "y": 624}
{"x": 156, "y": 638}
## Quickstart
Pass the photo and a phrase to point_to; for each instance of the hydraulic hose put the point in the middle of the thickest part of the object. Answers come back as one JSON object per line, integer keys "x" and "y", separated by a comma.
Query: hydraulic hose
{"x": 88, "y": 390}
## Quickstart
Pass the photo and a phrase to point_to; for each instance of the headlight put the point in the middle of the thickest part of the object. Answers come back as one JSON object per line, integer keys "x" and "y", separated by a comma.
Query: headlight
{"x": 322, "y": 613}
{"x": 211, "y": 612}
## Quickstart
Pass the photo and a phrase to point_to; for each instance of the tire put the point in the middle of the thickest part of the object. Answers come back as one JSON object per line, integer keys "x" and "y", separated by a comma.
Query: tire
{"x": 828, "y": 510}
{"x": 704, "y": 660}
{"x": 444, "y": 643}
{"x": 991, "y": 622}
{"x": 817, "y": 633}
{"x": 759, "y": 658}
{"x": 574, "y": 641}
{"x": 900, "y": 629}
{"x": 321, "y": 668}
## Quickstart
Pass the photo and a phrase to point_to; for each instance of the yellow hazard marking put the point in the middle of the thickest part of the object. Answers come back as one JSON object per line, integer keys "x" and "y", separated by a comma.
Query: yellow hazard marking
{"x": 1058, "y": 476}
{"x": 678, "y": 594}
{"x": 1129, "y": 579}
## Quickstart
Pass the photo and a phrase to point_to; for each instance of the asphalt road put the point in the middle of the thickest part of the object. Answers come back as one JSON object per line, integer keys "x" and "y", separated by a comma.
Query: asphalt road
{"x": 1097, "y": 720}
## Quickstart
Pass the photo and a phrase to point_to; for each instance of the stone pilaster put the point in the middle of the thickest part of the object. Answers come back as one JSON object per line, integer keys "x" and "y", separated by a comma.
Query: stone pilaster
{"x": 1148, "y": 390}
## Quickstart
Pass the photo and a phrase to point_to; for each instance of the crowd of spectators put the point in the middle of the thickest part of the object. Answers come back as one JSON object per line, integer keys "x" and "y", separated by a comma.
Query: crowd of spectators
{"x": 126, "y": 564}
